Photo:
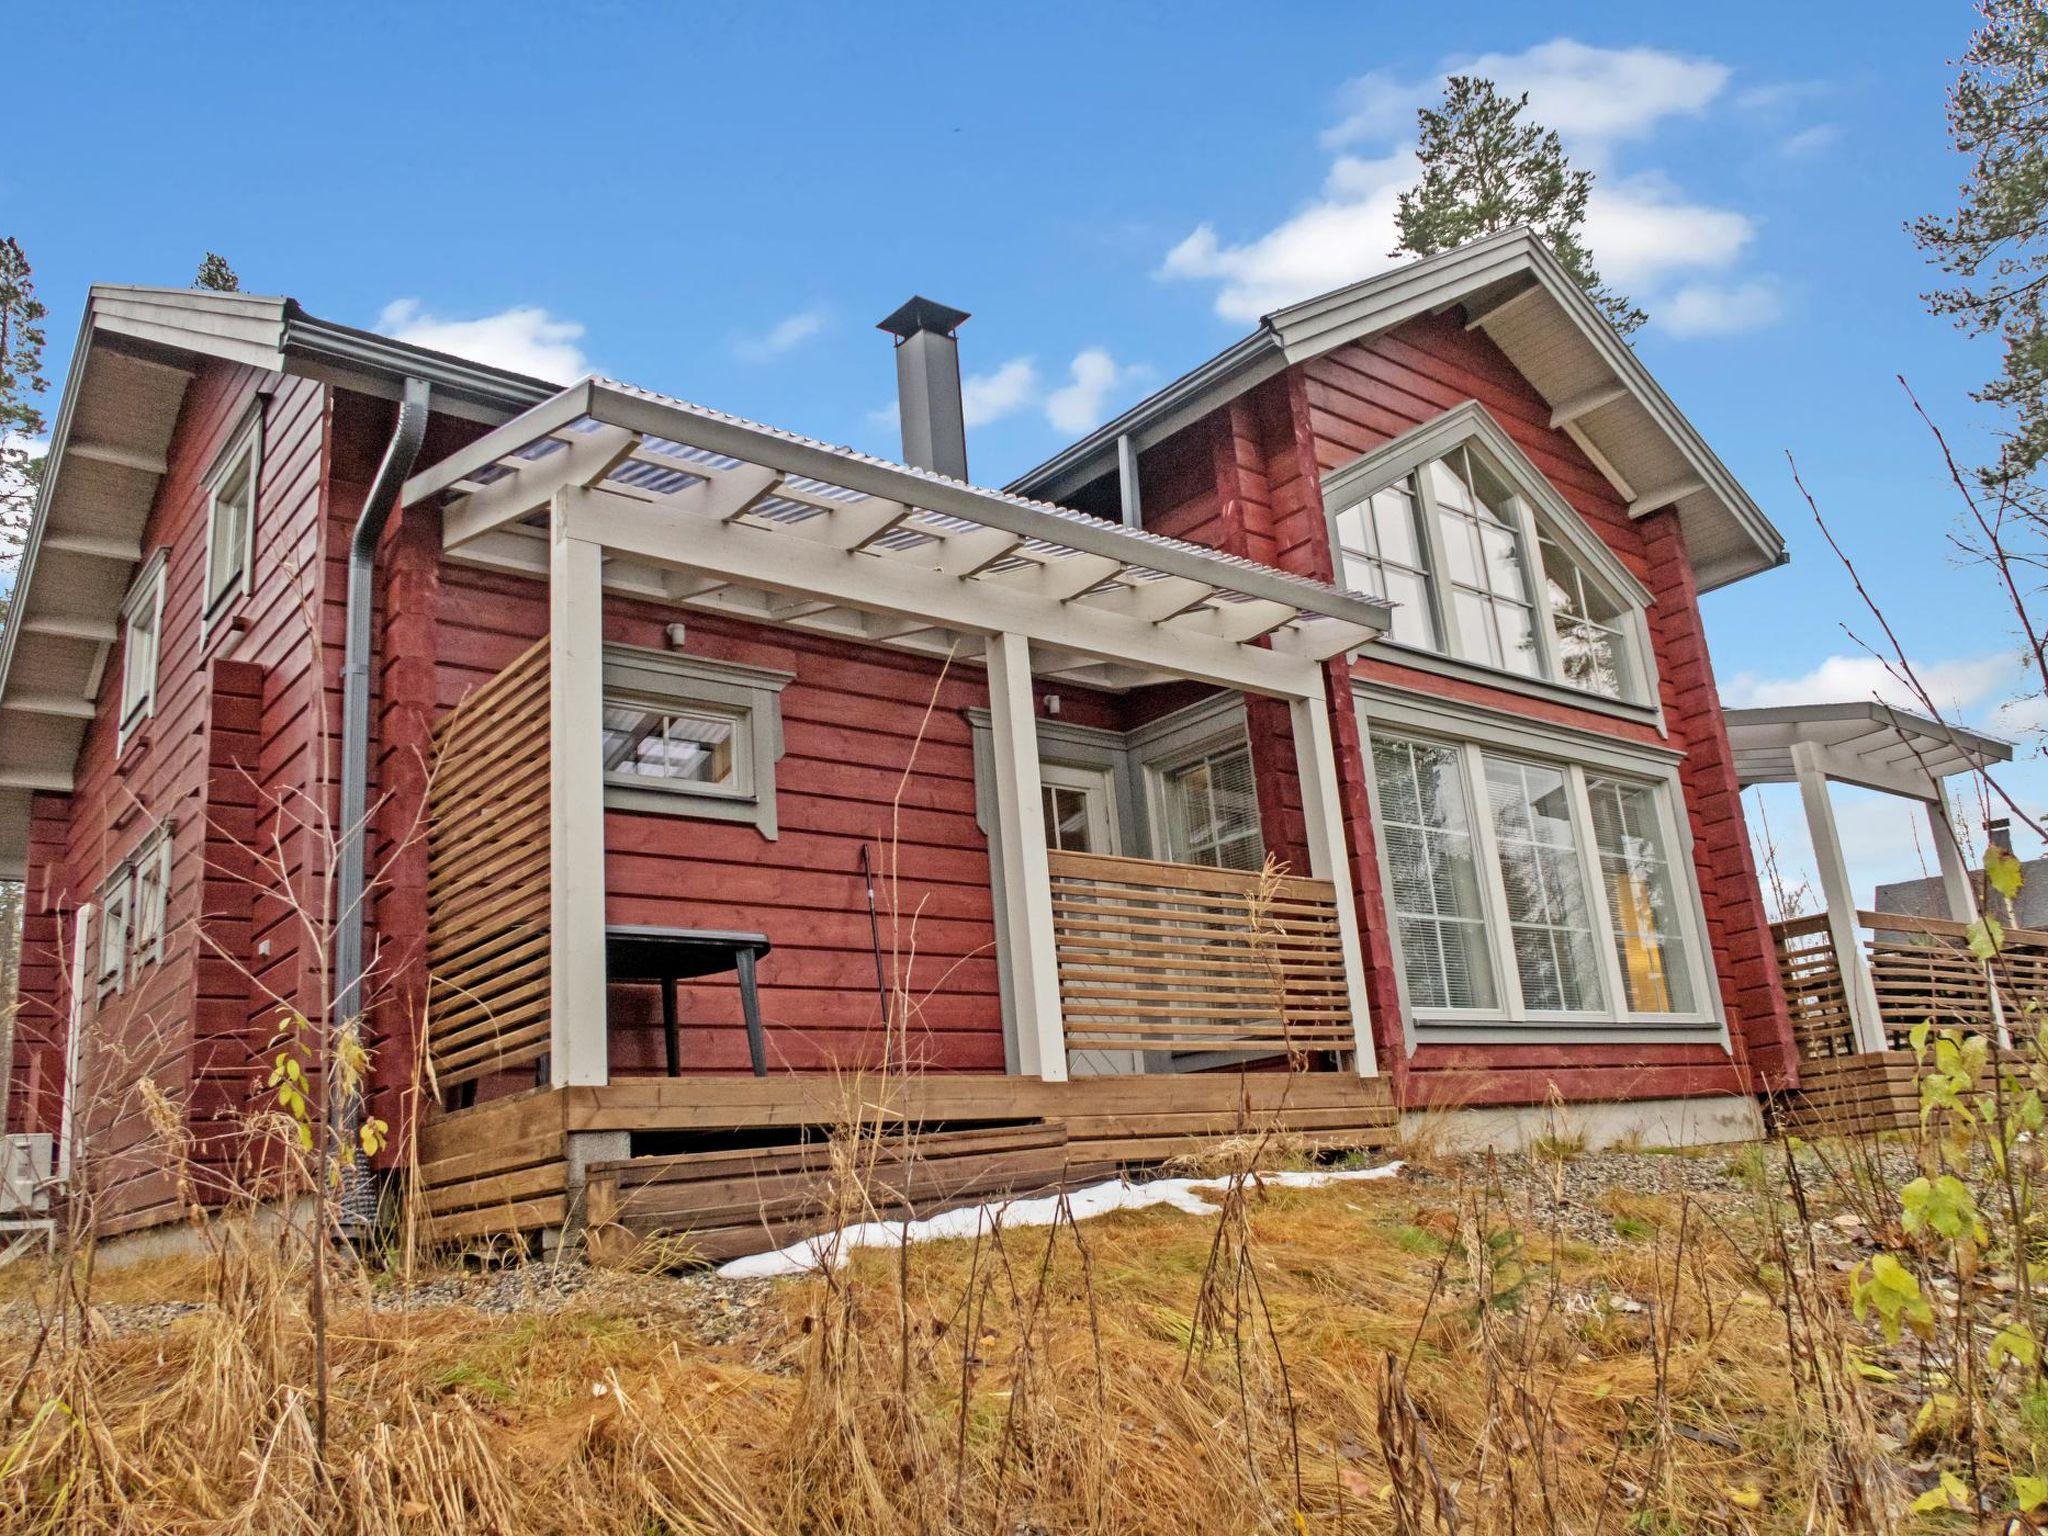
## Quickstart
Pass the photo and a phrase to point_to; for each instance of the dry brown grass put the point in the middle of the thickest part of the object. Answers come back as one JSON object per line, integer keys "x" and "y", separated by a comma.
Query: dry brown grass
{"x": 1288, "y": 1365}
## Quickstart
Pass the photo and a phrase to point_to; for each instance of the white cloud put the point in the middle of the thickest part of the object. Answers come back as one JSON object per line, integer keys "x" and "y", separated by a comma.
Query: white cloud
{"x": 1808, "y": 142}
{"x": 987, "y": 397}
{"x": 785, "y": 335}
{"x": 1592, "y": 96}
{"x": 525, "y": 339}
{"x": 1709, "y": 309}
{"x": 1957, "y": 686}
{"x": 1079, "y": 405}
{"x": 1647, "y": 237}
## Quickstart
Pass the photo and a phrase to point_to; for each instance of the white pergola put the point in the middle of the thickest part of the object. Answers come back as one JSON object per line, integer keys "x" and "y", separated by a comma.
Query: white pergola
{"x": 1876, "y": 747}
{"x": 606, "y": 487}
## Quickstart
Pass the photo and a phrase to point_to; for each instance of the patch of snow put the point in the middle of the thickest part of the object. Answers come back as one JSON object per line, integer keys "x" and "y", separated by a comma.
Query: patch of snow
{"x": 813, "y": 1253}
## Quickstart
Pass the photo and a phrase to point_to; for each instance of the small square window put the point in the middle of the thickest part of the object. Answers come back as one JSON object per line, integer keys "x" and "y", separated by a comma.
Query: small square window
{"x": 231, "y": 517}
{"x": 683, "y": 746}
{"x": 687, "y": 736}
{"x": 142, "y": 619}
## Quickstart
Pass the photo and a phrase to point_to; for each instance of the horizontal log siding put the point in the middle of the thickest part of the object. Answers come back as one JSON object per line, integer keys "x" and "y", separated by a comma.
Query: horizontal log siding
{"x": 237, "y": 698}
{"x": 851, "y": 723}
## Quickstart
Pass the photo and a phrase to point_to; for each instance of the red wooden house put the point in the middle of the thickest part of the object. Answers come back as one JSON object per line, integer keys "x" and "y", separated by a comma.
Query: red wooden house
{"x": 1346, "y": 704}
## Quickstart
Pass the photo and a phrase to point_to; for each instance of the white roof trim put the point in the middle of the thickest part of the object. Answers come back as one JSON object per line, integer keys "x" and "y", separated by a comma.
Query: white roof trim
{"x": 1509, "y": 266}
{"x": 1866, "y": 743}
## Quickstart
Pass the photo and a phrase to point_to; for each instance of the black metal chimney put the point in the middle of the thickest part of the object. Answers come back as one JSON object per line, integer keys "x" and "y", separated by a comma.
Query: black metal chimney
{"x": 928, "y": 386}
{"x": 1998, "y": 832}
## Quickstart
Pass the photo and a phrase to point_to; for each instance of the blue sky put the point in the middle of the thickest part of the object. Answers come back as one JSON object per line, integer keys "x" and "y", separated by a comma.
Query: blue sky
{"x": 719, "y": 201}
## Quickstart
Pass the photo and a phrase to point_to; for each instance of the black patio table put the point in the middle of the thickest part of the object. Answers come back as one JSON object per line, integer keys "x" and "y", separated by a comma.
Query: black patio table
{"x": 669, "y": 955}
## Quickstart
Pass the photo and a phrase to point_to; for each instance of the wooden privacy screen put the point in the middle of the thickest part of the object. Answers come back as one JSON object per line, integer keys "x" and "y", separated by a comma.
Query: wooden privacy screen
{"x": 1814, "y": 994}
{"x": 1921, "y": 969}
{"x": 487, "y": 877}
{"x": 1156, "y": 956}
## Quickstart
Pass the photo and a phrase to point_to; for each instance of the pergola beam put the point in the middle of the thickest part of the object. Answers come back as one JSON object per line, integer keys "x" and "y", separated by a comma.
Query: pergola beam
{"x": 761, "y": 557}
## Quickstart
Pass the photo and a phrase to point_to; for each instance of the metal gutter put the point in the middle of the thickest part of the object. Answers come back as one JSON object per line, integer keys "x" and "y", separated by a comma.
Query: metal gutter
{"x": 407, "y": 434}
{"x": 353, "y": 350}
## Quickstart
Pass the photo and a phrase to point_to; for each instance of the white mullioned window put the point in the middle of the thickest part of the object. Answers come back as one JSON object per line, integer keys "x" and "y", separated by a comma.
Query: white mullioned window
{"x": 1212, "y": 810}
{"x": 116, "y": 904}
{"x": 1526, "y": 890}
{"x": 1484, "y": 561}
{"x": 231, "y": 517}
{"x": 151, "y": 887}
{"x": 142, "y": 626}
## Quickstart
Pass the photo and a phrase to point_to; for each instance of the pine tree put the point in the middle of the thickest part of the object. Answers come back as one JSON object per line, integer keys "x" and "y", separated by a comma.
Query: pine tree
{"x": 1485, "y": 170}
{"x": 216, "y": 274}
{"x": 21, "y": 420}
{"x": 1996, "y": 243}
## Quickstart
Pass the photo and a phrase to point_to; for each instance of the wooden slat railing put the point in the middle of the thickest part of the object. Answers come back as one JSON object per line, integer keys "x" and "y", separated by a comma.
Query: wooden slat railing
{"x": 488, "y": 878}
{"x": 1159, "y": 956}
{"x": 1814, "y": 994}
{"x": 1921, "y": 969}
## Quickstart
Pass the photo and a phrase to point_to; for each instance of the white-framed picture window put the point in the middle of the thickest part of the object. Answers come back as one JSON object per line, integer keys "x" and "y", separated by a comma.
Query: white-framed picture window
{"x": 1485, "y": 563}
{"x": 687, "y": 736}
{"x": 110, "y": 967}
{"x": 1525, "y": 889}
{"x": 142, "y": 624}
{"x": 231, "y": 487}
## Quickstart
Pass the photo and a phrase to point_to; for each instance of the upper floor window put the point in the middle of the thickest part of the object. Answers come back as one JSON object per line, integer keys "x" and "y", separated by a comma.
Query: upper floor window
{"x": 1484, "y": 562}
{"x": 142, "y": 624}
{"x": 231, "y": 516}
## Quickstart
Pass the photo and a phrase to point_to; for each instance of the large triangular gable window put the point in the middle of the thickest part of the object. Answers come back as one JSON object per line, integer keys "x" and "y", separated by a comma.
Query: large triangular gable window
{"x": 1484, "y": 561}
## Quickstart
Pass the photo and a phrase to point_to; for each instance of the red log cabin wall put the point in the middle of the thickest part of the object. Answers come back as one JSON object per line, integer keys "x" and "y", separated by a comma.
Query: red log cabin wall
{"x": 1247, "y": 479}
{"x": 226, "y": 762}
{"x": 878, "y": 751}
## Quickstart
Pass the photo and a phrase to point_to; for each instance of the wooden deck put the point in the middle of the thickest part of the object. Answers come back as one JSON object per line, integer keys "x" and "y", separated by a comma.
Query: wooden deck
{"x": 503, "y": 1169}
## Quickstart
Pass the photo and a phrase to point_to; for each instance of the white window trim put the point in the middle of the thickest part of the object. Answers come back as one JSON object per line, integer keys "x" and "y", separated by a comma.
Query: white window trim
{"x": 667, "y": 680}
{"x": 148, "y": 585}
{"x": 153, "y": 860}
{"x": 1472, "y": 426}
{"x": 116, "y": 919}
{"x": 1577, "y": 754}
{"x": 1175, "y": 741}
{"x": 248, "y": 438}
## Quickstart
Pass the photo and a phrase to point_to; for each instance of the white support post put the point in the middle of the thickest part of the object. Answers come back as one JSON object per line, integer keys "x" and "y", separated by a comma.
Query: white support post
{"x": 577, "y": 1037}
{"x": 1961, "y": 893}
{"x": 1955, "y": 872}
{"x": 1836, "y": 891}
{"x": 1315, "y": 755}
{"x": 1027, "y": 878}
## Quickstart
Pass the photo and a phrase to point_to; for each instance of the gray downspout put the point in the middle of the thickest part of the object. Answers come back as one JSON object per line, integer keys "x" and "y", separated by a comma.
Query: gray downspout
{"x": 358, "y": 1199}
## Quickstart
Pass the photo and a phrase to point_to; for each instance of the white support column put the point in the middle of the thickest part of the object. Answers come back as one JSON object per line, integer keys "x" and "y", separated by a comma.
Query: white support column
{"x": 1315, "y": 756}
{"x": 1955, "y": 872}
{"x": 577, "y": 1048}
{"x": 1961, "y": 892}
{"x": 1027, "y": 878}
{"x": 1836, "y": 891}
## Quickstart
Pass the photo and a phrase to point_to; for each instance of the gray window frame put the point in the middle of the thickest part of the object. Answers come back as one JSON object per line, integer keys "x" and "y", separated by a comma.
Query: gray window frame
{"x": 637, "y": 677}
{"x": 1579, "y": 754}
{"x": 146, "y": 591}
{"x": 1536, "y": 505}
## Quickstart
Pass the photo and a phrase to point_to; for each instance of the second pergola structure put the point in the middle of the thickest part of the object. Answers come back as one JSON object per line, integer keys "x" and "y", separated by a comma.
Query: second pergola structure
{"x": 1916, "y": 965}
